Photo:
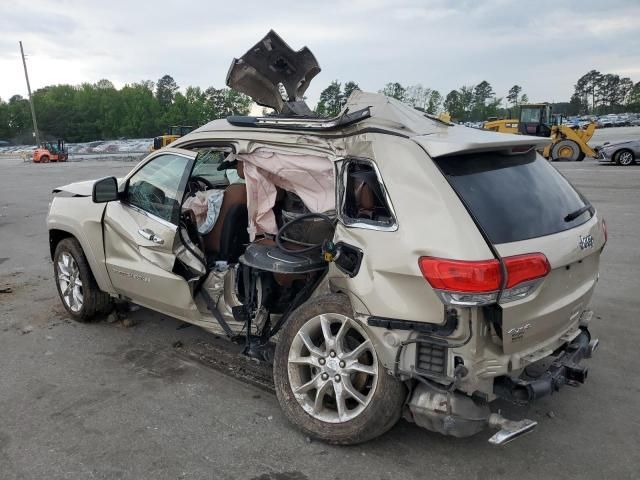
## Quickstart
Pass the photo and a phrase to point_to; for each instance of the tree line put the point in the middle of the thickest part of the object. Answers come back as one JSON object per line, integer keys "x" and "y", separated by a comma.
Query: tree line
{"x": 595, "y": 93}
{"x": 100, "y": 111}
{"x": 145, "y": 109}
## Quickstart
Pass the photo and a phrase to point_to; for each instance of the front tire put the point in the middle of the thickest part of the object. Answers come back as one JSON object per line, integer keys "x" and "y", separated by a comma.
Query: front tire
{"x": 76, "y": 284}
{"x": 625, "y": 158}
{"x": 328, "y": 378}
{"x": 566, "y": 149}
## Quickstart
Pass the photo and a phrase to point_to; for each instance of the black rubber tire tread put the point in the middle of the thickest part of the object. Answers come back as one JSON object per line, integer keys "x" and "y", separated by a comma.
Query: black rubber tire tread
{"x": 556, "y": 148}
{"x": 95, "y": 301}
{"x": 382, "y": 413}
{"x": 44, "y": 159}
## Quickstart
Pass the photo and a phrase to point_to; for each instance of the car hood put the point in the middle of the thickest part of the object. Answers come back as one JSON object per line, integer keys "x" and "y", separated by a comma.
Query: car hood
{"x": 617, "y": 144}
{"x": 80, "y": 189}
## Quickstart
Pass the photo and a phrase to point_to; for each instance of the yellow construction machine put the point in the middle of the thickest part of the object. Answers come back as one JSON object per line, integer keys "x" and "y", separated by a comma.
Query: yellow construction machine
{"x": 173, "y": 133}
{"x": 566, "y": 142}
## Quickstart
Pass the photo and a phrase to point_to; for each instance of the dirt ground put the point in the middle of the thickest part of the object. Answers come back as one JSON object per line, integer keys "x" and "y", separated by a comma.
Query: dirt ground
{"x": 157, "y": 400}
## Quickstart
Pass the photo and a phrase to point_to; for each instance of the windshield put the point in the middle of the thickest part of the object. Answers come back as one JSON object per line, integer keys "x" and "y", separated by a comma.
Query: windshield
{"x": 514, "y": 197}
{"x": 206, "y": 166}
{"x": 530, "y": 115}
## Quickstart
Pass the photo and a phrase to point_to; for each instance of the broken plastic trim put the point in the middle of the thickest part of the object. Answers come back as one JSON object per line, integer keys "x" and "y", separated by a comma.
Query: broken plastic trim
{"x": 296, "y": 123}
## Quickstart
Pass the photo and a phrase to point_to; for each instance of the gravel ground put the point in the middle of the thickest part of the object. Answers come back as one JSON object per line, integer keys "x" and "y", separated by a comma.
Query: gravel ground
{"x": 160, "y": 401}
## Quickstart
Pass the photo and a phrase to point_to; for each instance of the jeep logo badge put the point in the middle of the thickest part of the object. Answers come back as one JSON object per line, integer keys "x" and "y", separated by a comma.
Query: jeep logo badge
{"x": 585, "y": 242}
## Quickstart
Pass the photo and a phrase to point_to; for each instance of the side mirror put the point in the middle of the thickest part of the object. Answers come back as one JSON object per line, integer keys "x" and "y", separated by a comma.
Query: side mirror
{"x": 105, "y": 190}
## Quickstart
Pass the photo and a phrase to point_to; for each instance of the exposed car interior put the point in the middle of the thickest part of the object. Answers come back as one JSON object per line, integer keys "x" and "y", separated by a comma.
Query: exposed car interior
{"x": 273, "y": 274}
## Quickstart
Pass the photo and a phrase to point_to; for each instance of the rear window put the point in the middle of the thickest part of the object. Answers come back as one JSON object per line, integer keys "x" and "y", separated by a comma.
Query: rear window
{"x": 514, "y": 197}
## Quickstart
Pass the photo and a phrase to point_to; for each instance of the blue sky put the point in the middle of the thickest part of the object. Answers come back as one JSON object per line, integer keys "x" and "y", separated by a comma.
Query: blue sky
{"x": 544, "y": 46}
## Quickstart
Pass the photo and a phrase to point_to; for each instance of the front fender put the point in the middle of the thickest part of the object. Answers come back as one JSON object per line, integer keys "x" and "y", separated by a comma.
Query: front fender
{"x": 82, "y": 218}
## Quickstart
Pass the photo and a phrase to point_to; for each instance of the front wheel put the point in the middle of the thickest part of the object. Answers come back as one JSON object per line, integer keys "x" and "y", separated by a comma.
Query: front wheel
{"x": 328, "y": 378}
{"x": 77, "y": 287}
{"x": 625, "y": 158}
{"x": 567, "y": 150}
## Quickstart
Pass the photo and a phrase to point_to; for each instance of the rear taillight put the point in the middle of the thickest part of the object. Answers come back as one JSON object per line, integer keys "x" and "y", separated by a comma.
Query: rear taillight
{"x": 606, "y": 233}
{"x": 472, "y": 283}
{"x": 522, "y": 268}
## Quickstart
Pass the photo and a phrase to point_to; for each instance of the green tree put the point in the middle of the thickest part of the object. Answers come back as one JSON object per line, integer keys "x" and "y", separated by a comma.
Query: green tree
{"x": 417, "y": 96}
{"x": 587, "y": 87}
{"x": 330, "y": 102}
{"x": 514, "y": 95}
{"x": 224, "y": 102}
{"x": 435, "y": 101}
{"x": 395, "y": 90}
{"x": 166, "y": 89}
{"x": 633, "y": 98}
{"x": 349, "y": 88}
{"x": 453, "y": 105}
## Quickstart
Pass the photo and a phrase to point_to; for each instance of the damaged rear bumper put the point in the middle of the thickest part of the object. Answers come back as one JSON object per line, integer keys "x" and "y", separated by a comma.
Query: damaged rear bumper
{"x": 565, "y": 369}
{"x": 459, "y": 415}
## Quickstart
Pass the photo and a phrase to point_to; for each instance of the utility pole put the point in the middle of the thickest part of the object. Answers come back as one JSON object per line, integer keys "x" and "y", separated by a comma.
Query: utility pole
{"x": 33, "y": 110}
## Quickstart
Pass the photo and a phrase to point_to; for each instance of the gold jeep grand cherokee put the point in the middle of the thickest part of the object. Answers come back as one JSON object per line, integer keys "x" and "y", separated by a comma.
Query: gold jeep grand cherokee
{"x": 384, "y": 261}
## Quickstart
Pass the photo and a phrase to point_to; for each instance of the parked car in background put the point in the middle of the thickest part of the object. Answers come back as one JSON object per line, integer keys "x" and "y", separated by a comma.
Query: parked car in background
{"x": 605, "y": 122}
{"x": 623, "y": 153}
{"x": 621, "y": 121}
{"x": 635, "y": 122}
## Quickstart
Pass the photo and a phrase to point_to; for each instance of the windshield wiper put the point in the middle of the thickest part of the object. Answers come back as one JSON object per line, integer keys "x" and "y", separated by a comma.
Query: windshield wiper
{"x": 573, "y": 215}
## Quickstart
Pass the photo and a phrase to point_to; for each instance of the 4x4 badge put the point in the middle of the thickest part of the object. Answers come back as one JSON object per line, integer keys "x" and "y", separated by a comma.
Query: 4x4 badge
{"x": 585, "y": 242}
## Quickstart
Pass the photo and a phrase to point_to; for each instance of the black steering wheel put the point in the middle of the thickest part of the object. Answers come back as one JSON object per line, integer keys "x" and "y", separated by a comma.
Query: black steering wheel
{"x": 198, "y": 184}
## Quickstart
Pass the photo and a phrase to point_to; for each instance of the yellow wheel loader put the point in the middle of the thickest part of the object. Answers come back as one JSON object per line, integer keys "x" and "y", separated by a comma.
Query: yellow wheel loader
{"x": 536, "y": 119}
{"x": 173, "y": 133}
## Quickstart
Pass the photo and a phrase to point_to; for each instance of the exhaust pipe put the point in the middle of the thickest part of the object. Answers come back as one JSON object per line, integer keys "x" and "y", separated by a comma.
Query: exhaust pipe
{"x": 509, "y": 429}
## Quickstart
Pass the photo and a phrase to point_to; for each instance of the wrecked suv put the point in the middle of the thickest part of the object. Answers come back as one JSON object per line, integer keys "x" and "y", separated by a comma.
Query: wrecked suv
{"x": 400, "y": 265}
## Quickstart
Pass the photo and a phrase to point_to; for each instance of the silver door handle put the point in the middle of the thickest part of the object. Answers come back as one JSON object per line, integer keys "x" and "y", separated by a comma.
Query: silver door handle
{"x": 150, "y": 235}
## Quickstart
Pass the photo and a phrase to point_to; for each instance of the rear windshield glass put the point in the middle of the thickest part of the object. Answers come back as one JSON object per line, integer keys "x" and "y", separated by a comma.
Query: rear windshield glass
{"x": 514, "y": 197}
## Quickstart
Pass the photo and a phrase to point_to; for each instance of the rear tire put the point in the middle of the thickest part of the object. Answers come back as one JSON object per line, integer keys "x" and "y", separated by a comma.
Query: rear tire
{"x": 625, "y": 158}
{"x": 338, "y": 416}
{"x": 566, "y": 149}
{"x": 76, "y": 285}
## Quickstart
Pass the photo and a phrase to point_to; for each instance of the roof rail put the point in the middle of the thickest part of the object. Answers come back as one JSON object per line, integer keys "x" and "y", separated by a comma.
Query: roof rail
{"x": 302, "y": 123}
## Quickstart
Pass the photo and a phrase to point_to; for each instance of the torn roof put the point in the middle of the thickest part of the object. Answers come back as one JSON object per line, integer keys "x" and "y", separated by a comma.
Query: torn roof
{"x": 392, "y": 116}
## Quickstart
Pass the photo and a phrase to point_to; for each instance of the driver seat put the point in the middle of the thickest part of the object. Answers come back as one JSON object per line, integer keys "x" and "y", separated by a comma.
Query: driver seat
{"x": 229, "y": 236}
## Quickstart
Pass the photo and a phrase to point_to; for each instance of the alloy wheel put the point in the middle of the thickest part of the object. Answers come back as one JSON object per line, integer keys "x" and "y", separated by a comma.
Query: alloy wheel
{"x": 69, "y": 282}
{"x": 333, "y": 368}
{"x": 625, "y": 158}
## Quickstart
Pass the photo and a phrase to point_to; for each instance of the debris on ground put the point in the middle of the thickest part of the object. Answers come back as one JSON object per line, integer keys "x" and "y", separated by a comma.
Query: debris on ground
{"x": 550, "y": 414}
{"x": 128, "y": 322}
{"x": 177, "y": 344}
{"x": 112, "y": 317}
{"x": 5, "y": 290}
{"x": 26, "y": 329}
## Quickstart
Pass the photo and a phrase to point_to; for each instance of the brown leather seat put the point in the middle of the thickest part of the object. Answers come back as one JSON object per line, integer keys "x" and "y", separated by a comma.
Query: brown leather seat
{"x": 234, "y": 195}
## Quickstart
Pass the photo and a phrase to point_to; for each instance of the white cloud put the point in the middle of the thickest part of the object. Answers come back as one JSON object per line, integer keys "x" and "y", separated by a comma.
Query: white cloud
{"x": 543, "y": 46}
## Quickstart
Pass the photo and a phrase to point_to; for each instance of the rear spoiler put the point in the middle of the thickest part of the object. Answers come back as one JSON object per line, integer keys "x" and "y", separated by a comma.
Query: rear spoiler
{"x": 459, "y": 139}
